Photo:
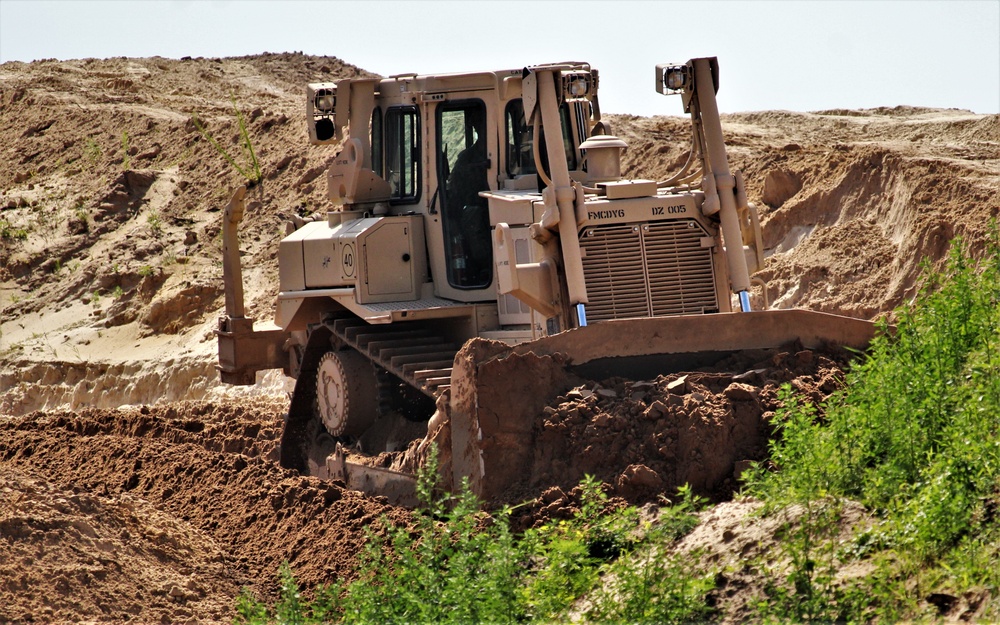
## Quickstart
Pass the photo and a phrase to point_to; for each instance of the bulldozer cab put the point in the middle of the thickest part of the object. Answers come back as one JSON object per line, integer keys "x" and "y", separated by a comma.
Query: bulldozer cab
{"x": 479, "y": 139}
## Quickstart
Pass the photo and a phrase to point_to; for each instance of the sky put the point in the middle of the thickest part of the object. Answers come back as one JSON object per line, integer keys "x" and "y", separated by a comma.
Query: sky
{"x": 773, "y": 55}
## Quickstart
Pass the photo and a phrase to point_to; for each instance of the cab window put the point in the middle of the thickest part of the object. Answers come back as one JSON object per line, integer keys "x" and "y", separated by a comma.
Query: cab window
{"x": 376, "y": 139}
{"x": 520, "y": 135}
{"x": 520, "y": 160}
{"x": 402, "y": 154}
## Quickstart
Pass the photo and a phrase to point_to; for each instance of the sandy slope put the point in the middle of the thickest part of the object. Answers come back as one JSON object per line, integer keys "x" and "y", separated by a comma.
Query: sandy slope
{"x": 110, "y": 284}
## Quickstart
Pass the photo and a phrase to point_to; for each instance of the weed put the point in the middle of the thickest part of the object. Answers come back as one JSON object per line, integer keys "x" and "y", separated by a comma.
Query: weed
{"x": 82, "y": 216}
{"x": 9, "y": 233}
{"x": 92, "y": 151}
{"x": 117, "y": 292}
{"x": 14, "y": 349}
{"x": 251, "y": 167}
{"x": 651, "y": 585}
{"x": 185, "y": 155}
{"x": 42, "y": 222}
{"x": 571, "y": 552}
{"x": 145, "y": 271}
{"x": 126, "y": 157}
{"x": 154, "y": 223}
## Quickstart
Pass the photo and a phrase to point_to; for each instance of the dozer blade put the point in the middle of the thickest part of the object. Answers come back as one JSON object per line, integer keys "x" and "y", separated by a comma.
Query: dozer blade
{"x": 493, "y": 437}
{"x": 637, "y": 348}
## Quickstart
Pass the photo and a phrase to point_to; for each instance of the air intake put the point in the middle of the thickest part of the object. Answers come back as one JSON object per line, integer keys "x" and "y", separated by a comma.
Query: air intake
{"x": 648, "y": 270}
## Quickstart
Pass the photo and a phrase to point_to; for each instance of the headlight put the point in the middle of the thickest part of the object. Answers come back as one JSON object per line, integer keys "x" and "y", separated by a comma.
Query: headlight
{"x": 325, "y": 101}
{"x": 676, "y": 78}
{"x": 672, "y": 78}
{"x": 577, "y": 85}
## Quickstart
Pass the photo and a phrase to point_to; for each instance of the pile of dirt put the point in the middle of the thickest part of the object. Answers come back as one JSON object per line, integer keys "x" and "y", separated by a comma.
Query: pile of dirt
{"x": 700, "y": 428}
{"x": 71, "y": 555}
{"x": 163, "y": 513}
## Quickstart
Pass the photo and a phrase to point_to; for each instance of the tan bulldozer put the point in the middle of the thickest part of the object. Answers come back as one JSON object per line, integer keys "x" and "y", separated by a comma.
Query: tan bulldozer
{"x": 482, "y": 244}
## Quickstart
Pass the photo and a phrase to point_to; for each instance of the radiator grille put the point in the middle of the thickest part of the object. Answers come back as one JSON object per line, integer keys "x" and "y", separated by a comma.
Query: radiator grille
{"x": 647, "y": 270}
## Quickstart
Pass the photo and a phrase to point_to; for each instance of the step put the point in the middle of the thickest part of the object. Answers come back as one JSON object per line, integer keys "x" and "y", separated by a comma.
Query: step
{"x": 363, "y": 337}
{"x": 388, "y": 349}
{"x": 437, "y": 384}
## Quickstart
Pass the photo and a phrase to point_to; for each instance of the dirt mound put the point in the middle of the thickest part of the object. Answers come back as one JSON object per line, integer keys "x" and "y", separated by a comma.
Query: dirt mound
{"x": 70, "y": 555}
{"x": 110, "y": 210}
{"x": 217, "y": 512}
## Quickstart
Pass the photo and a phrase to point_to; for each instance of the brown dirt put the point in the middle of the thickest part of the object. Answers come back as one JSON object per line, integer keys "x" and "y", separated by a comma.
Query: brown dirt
{"x": 162, "y": 509}
{"x": 647, "y": 438}
{"x": 163, "y": 513}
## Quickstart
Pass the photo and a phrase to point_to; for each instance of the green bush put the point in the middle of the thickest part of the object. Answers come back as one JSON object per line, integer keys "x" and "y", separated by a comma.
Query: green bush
{"x": 914, "y": 437}
{"x": 457, "y": 564}
{"x": 651, "y": 585}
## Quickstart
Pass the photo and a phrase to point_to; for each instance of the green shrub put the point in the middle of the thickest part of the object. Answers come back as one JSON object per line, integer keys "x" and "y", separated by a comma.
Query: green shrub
{"x": 652, "y": 585}
{"x": 914, "y": 437}
{"x": 457, "y": 564}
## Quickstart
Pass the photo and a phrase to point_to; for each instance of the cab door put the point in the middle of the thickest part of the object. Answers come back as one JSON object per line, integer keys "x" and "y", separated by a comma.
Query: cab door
{"x": 464, "y": 167}
{"x": 464, "y": 141}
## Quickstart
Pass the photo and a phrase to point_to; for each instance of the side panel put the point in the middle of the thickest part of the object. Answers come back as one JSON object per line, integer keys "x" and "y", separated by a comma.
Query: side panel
{"x": 393, "y": 260}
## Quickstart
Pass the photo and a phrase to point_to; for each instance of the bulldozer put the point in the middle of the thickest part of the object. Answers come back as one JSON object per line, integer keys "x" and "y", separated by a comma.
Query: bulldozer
{"x": 482, "y": 244}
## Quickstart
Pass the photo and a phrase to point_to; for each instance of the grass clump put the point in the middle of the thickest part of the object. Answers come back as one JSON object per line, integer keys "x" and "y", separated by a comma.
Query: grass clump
{"x": 9, "y": 232}
{"x": 126, "y": 157}
{"x": 155, "y": 224}
{"x": 250, "y": 167}
{"x": 92, "y": 151}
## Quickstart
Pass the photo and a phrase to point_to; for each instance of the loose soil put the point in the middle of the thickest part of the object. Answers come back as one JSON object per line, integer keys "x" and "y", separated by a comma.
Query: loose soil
{"x": 136, "y": 487}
